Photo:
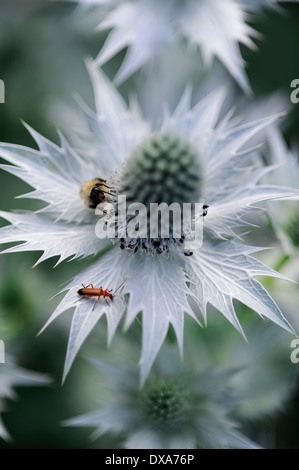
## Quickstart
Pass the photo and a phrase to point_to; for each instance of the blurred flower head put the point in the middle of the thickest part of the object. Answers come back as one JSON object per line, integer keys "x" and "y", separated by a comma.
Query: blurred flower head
{"x": 214, "y": 398}
{"x": 178, "y": 408}
{"x": 147, "y": 27}
{"x": 194, "y": 155}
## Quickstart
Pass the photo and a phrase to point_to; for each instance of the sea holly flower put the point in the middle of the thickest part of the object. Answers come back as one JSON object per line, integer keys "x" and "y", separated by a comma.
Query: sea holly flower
{"x": 12, "y": 376}
{"x": 193, "y": 156}
{"x": 179, "y": 407}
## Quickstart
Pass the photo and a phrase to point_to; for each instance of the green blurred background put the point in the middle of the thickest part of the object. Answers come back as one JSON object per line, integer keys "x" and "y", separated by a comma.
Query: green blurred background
{"x": 42, "y": 50}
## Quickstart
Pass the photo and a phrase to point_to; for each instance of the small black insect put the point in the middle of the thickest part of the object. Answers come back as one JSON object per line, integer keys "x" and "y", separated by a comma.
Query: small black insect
{"x": 204, "y": 210}
{"x": 204, "y": 213}
{"x": 188, "y": 253}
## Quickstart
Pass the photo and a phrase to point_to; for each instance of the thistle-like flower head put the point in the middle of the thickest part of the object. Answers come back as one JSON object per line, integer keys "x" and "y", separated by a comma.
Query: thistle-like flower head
{"x": 194, "y": 155}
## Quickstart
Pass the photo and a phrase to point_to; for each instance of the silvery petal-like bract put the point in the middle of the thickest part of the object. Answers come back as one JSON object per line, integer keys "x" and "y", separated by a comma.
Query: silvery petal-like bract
{"x": 12, "y": 376}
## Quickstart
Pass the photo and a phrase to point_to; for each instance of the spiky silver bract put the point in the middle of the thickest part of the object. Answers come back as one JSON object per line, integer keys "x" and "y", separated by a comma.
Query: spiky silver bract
{"x": 13, "y": 376}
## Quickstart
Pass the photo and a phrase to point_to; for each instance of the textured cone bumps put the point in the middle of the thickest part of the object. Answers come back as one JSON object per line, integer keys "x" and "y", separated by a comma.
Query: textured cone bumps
{"x": 166, "y": 169}
{"x": 166, "y": 405}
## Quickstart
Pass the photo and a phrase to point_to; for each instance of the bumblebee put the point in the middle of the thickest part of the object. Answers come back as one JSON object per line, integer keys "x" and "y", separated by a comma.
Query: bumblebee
{"x": 94, "y": 192}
